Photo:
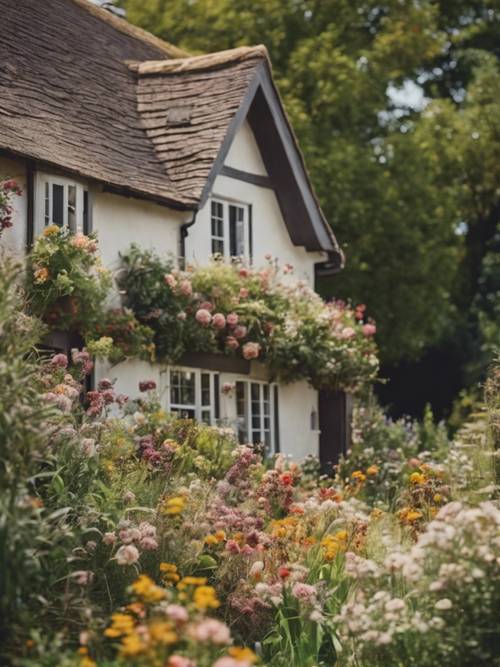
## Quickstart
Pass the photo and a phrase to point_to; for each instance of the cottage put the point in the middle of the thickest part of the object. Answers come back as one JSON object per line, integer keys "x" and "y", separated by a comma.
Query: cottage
{"x": 109, "y": 129}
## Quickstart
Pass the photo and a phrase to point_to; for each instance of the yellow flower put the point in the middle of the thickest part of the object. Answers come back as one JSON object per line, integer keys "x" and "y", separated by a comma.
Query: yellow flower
{"x": 417, "y": 478}
{"x": 437, "y": 498}
{"x": 121, "y": 624}
{"x": 333, "y": 544}
{"x": 211, "y": 540}
{"x": 86, "y": 661}
{"x": 132, "y": 645}
{"x": 205, "y": 597}
{"x": 191, "y": 581}
{"x": 169, "y": 571}
{"x": 360, "y": 476}
{"x": 376, "y": 513}
{"x": 173, "y": 506}
{"x": 50, "y": 230}
{"x": 162, "y": 632}
{"x": 413, "y": 515}
{"x": 146, "y": 589}
{"x": 41, "y": 275}
{"x": 242, "y": 654}
{"x": 372, "y": 470}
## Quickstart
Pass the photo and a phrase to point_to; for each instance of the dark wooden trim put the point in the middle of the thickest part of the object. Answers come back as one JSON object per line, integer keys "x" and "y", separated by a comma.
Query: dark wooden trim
{"x": 335, "y": 416}
{"x": 246, "y": 176}
{"x": 217, "y": 396}
{"x": 30, "y": 209}
{"x": 215, "y": 362}
{"x": 250, "y": 232}
{"x": 276, "y": 420}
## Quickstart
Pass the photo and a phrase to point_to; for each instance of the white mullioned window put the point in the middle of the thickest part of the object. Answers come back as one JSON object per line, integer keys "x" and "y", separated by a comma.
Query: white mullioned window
{"x": 192, "y": 394}
{"x": 256, "y": 411}
{"x": 230, "y": 228}
{"x": 63, "y": 202}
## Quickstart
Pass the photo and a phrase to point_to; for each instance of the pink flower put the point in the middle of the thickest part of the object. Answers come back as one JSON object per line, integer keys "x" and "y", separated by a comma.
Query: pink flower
{"x": 203, "y": 317}
{"x": 232, "y": 343}
{"x": 226, "y": 661}
{"x": 180, "y": 661}
{"x": 109, "y": 538}
{"x": 170, "y": 280}
{"x": 240, "y": 331}
{"x": 369, "y": 329}
{"x": 243, "y": 293}
{"x": 244, "y": 272}
{"x": 59, "y": 360}
{"x": 304, "y": 592}
{"x": 147, "y": 385}
{"x": 177, "y": 613}
{"x": 185, "y": 288}
{"x": 207, "y": 305}
{"x": 232, "y": 319}
{"x": 347, "y": 333}
{"x": 128, "y": 497}
{"x": 251, "y": 351}
{"x": 83, "y": 577}
{"x": 127, "y": 555}
{"x": 211, "y": 630}
{"x": 218, "y": 321}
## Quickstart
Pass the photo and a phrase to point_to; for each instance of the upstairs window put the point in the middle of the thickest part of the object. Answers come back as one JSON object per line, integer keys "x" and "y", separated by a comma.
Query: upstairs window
{"x": 193, "y": 394}
{"x": 230, "y": 229}
{"x": 62, "y": 202}
{"x": 256, "y": 411}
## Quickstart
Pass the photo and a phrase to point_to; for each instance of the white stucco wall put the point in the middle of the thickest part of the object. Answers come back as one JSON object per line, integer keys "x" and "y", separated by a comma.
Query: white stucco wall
{"x": 244, "y": 153}
{"x": 269, "y": 232}
{"x": 14, "y": 238}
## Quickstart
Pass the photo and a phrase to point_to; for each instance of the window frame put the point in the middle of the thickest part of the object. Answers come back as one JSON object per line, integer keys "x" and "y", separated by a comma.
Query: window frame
{"x": 246, "y": 432}
{"x": 44, "y": 203}
{"x": 230, "y": 236}
{"x": 199, "y": 409}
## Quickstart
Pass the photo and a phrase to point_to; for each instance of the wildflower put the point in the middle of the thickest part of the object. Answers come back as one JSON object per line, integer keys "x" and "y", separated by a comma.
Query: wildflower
{"x": 413, "y": 515}
{"x": 369, "y": 330}
{"x": 204, "y": 597}
{"x": 444, "y": 604}
{"x": 127, "y": 555}
{"x": 242, "y": 654}
{"x": 283, "y": 572}
{"x": 128, "y": 497}
{"x": 358, "y": 475}
{"x": 203, "y": 317}
{"x": 173, "y": 506}
{"x": 286, "y": 478}
{"x": 145, "y": 588}
{"x": 417, "y": 478}
{"x": 162, "y": 632}
{"x": 132, "y": 645}
{"x": 59, "y": 360}
{"x": 347, "y": 333}
{"x": 304, "y": 592}
{"x": 256, "y": 569}
{"x": 177, "y": 613}
{"x": 372, "y": 471}
{"x": 83, "y": 577}
{"x": 179, "y": 661}
{"x": 211, "y": 630}
{"x": 121, "y": 624}
{"x": 169, "y": 572}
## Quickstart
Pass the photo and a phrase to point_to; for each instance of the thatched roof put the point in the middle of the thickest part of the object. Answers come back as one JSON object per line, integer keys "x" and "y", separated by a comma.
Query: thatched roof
{"x": 83, "y": 90}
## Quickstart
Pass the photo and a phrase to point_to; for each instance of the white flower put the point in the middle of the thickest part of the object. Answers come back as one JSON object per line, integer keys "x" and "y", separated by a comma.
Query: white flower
{"x": 444, "y": 604}
{"x": 127, "y": 555}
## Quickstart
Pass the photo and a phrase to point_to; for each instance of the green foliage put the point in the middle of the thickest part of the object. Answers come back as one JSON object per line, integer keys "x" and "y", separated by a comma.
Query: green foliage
{"x": 124, "y": 337}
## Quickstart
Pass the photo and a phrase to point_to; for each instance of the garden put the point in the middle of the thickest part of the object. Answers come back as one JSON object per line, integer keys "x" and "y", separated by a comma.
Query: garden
{"x": 132, "y": 538}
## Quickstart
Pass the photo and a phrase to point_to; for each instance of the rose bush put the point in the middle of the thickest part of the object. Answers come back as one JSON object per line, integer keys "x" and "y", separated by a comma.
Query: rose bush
{"x": 235, "y": 310}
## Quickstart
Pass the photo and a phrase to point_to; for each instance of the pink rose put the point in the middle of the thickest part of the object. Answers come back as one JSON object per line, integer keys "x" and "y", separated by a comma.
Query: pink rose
{"x": 347, "y": 333}
{"x": 207, "y": 305}
{"x": 369, "y": 330}
{"x": 240, "y": 331}
{"x": 109, "y": 538}
{"x": 59, "y": 360}
{"x": 170, "y": 280}
{"x": 218, "y": 321}
{"x": 251, "y": 351}
{"x": 243, "y": 272}
{"x": 232, "y": 343}
{"x": 203, "y": 317}
{"x": 232, "y": 319}
{"x": 185, "y": 288}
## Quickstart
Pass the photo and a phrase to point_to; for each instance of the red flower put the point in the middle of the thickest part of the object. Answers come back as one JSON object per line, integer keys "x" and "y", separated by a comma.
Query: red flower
{"x": 283, "y": 572}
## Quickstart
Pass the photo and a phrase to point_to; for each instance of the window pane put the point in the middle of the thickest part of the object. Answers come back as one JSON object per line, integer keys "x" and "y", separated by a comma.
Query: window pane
{"x": 236, "y": 231}
{"x": 241, "y": 412}
{"x": 85, "y": 219}
{"x": 72, "y": 207}
{"x": 205, "y": 389}
{"x": 205, "y": 416}
{"x": 217, "y": 228}
{"x": 58, "y": 204}
{"x": 47, "y": 204}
